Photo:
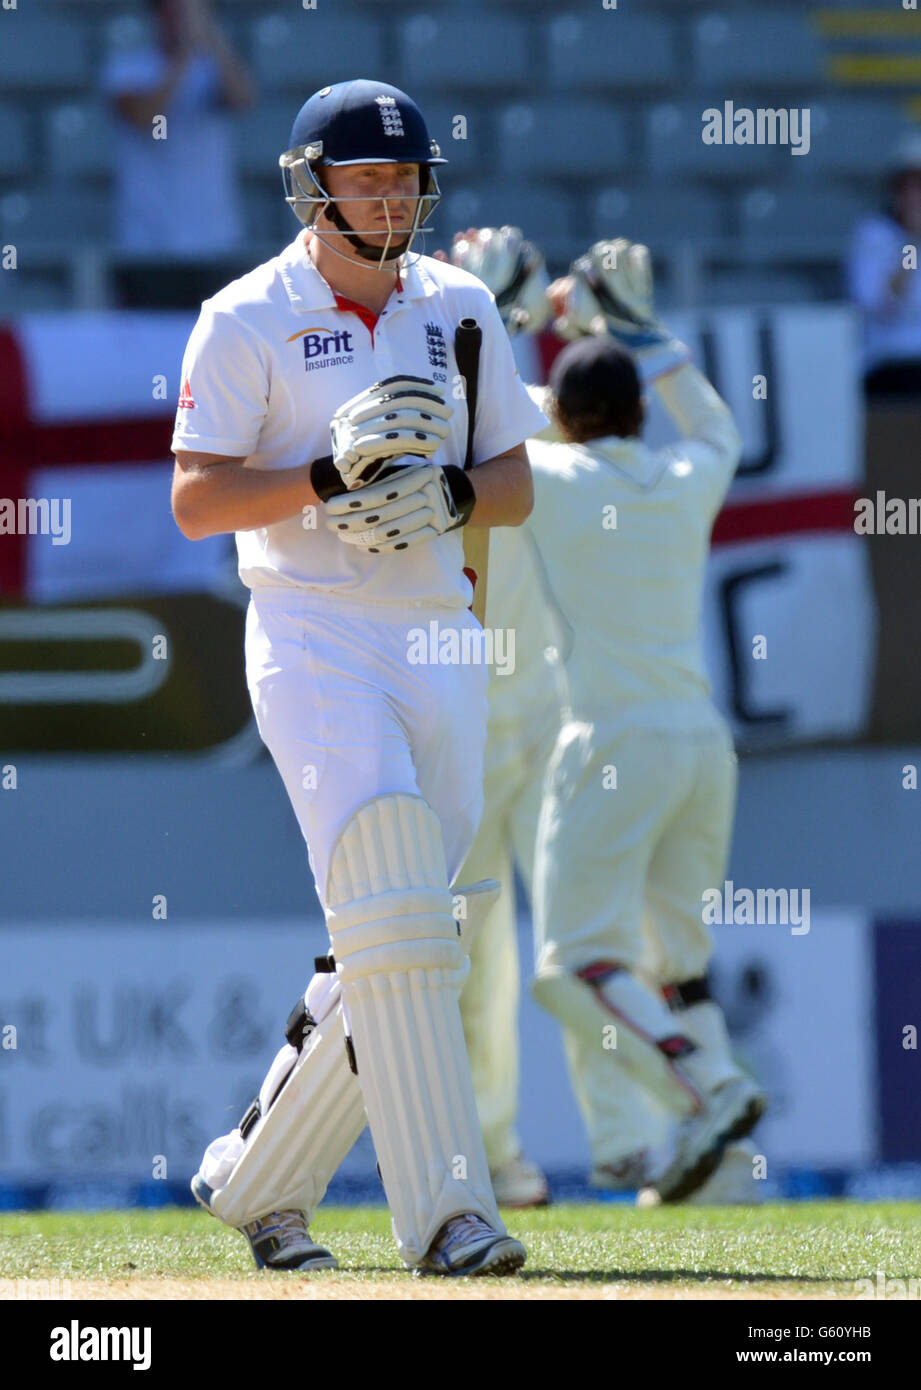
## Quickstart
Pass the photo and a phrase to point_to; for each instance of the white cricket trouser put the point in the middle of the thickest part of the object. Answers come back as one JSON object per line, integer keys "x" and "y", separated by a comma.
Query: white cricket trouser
{"x": 347, "y": 717}
{"x": 635, "y": 820}
{"x": 516, "y": 763}
{"x": 635, "y": 827}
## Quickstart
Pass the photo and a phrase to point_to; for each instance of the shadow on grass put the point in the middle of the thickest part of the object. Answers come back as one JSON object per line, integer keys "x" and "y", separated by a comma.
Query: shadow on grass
{"x": 673, "y": 1276}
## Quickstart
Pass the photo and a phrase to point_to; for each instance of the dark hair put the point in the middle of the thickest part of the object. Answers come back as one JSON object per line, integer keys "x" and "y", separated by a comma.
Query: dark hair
{"x": 596, "y": 390}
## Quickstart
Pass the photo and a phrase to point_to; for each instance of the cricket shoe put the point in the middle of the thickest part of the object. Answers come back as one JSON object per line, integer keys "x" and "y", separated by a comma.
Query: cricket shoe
{"x": 734, "y": 1183}
{"x": 280, "y": 1240}
{"x": 519, "y": 1183}
{"x": 627, "y": 1175}
{"x": 469, "y": 1245}
{"x": 730, "y": 1112}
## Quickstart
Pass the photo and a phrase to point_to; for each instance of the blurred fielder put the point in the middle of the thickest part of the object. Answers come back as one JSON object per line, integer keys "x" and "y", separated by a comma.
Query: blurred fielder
{"x": 637, "y": 819}
{"x": 314, "y": 422}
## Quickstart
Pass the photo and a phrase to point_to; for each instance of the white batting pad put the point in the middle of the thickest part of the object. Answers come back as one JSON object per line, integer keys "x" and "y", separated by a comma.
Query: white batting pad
{"x": 401, "y": 964}
{"x": 304, "y": 1133}
{"x": 623, "y": 1018}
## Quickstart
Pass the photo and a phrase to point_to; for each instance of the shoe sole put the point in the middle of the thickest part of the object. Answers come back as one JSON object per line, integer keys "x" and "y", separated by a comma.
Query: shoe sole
{"x": 324, "y": 1262}
{"x": 497, "y": 1262}
{"x": 708, "y": 1162}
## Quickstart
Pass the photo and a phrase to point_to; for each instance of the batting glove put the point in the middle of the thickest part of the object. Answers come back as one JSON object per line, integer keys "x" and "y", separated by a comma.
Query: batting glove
{"x": 413, "y": 505}
{"x": 513, "y": 269}
{"x": 400, "y": 415}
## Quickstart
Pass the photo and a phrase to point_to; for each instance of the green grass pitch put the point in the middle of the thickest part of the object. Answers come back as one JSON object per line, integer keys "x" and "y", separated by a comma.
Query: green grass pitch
{"x": 783, "y": 1250}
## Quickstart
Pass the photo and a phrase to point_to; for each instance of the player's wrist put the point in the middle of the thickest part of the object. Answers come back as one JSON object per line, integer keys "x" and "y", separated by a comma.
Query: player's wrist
{"x": 325, "y": 478}
{"x": 462, "y": 493}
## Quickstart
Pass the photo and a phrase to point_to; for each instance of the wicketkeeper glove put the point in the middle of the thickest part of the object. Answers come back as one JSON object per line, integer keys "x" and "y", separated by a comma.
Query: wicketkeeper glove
{"x": 612, "y": 292}
{"x": 398, "y": 416}
{"x": 513, "y": 269}
{"x": 413, "y": 505}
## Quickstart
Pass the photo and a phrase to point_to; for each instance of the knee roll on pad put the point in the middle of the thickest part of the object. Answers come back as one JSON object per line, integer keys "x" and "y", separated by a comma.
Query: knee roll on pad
{"x": 401, "y": 963}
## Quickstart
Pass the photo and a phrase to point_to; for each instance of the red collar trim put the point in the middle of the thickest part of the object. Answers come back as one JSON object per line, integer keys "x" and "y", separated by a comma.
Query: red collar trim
{"x": 368, "y": 318}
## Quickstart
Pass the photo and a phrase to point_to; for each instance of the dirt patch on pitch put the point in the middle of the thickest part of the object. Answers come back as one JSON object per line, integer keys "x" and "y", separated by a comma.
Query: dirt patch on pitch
{"x": 319, "y": 1288}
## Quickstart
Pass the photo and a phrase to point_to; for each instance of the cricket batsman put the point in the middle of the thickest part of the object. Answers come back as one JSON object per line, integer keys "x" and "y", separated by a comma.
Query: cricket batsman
{"x": 321, "y": 421}
{"x": 638, "y": 812}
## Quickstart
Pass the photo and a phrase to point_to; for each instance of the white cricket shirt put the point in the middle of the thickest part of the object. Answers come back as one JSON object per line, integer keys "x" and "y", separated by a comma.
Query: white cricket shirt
{"x": 624, "y": 532}
{"x": 271, "y": 359}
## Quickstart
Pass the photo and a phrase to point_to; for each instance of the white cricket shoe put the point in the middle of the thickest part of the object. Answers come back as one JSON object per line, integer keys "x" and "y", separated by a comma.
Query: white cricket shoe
{"x": 520, "y": 1183}
{"x": 627, "y": 1175}
{"x": 731, "y": 1111}
{"x": 734, "y": 1183}
{"x": 282, "y": 1240}
{"x": 469, "y": 1245}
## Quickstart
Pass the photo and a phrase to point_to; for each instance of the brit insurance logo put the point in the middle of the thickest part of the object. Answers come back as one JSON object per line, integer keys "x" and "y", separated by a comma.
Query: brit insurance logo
{"x": 325, "y": 347}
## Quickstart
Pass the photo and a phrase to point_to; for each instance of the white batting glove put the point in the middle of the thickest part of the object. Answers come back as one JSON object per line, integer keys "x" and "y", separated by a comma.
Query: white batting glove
{"x": 413, "y": 505}
{"x": 610, "y": 291}
{"x": 513, "y": 269}
{"x": 400, "y": 415}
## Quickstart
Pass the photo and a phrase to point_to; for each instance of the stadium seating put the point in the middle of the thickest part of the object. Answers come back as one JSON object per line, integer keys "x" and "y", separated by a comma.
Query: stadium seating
{"x": 14, "y": 141}
{"x": 46, "y": 53}
{"x": 581, "y": 120}
{"x": 674, "y": 146}
{"x": 762, "y": 47}
{"x": 581, "y": 140}
{"x": 435, "y": 51}
{"x": 44, "y": 218}
{"x": 659, "y": 216}
{"x": 599, "y": 52}
{"x": 285, "y": 52}
{"x": 782, "y": 215}
{"x": 541, "y": 211}
{"x": 77, "y": 140}
{"x": 850, "y": 138}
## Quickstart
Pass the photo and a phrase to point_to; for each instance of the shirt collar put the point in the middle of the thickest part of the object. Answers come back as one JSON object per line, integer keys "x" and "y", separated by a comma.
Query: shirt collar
{"x": 307, "y": 289}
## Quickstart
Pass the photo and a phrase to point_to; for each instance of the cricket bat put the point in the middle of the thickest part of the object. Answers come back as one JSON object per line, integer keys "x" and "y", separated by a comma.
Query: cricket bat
{"x": 468, "y": 339}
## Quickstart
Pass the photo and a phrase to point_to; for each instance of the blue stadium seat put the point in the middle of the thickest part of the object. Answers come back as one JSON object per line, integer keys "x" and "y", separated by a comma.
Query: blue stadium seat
{"x": 754, "y": 286}
{"x": 464, "y": 153}
{"x": 14, "y": 141}
{"x": 44, "y": 54}
{"x": 261, "y": 135}
{"x": 51, "y": 216}
{"x": 266, "y": 215}
{"x": 305, "y": 51}
{"x": 782, "y": 216}
{"x": 542, "y": 212}
{"x": 659, "y": 216}
{"x": 674, "y": 146}
{"x": 78, "y": 140}
{"x": 610, "y": 50}
{"x": 851, "y": 137}
{"x": 574, "y": 139}
{"x": 767, "y": 47}
{"x": 462, "y": 52}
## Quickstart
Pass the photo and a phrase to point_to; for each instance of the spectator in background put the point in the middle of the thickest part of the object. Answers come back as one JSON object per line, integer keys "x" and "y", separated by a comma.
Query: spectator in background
{"x": 177, "y": 196}
{"x": 884, "y": 284}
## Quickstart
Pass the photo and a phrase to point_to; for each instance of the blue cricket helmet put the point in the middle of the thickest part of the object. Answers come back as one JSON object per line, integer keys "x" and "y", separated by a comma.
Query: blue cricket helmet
{"x": 358, "y": 122}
